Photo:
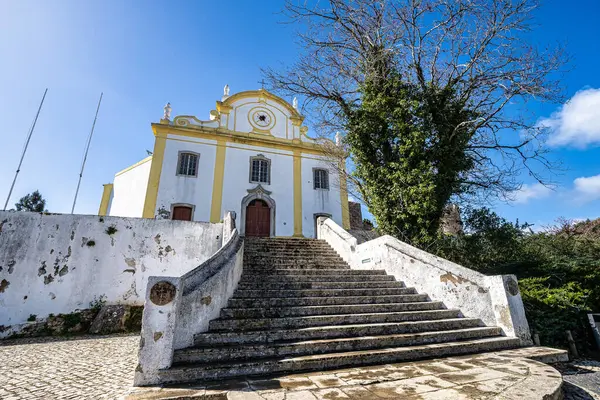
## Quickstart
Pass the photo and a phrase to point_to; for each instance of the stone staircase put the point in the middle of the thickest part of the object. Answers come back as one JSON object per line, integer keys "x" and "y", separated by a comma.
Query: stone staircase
{"x": 299, "y": 307}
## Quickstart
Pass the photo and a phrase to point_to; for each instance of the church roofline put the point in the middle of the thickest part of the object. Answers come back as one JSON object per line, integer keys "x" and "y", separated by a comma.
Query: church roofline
{"x": 258, "y": 93}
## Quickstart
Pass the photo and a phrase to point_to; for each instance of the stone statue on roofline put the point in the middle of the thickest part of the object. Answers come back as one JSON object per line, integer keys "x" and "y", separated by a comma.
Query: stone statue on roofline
{"x": 338, "y": 139}
{"x": 167, "y": 112}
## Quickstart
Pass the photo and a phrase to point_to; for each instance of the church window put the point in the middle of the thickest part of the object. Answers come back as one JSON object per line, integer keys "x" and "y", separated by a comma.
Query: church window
{"x": 188, "y": 164}
{"x": 260, "y": 170}
{"x": 321, "y": 178}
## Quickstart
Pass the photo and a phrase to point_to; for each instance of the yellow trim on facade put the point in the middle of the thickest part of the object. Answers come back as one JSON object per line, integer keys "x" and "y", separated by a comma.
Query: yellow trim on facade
{"x": 108, "y": 188}
{"x": 298, "y": 193}
{"x": 137, "y": 164}
{"x": 217, "y": 190}
{"x": 160, "y": 144}
{"x": 251, "y": 139}
{"x": 344, "y": 198}
{"x": 229, "y": 146}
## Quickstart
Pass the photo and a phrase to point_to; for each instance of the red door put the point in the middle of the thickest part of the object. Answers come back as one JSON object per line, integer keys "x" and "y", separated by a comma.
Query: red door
{"x": 182, "y": 213}
{"x": 258, "y": 219}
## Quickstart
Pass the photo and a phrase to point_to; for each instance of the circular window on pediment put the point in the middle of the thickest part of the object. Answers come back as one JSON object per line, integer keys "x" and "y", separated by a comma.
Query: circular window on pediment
{"x": 261, "y": 118}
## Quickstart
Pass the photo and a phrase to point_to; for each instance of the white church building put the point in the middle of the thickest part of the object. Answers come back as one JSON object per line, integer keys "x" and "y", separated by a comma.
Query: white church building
{"x": 253, "y": 156}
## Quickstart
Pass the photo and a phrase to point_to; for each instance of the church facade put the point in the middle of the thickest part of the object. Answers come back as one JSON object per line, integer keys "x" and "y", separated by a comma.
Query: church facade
{"x": 253, "y": 156}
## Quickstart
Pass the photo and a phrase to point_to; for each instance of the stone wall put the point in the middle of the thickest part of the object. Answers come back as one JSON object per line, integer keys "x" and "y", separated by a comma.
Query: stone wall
{"x": 356, "y": 219}
{"x": 52, "y": 264}
{"x": 178, "y": 307}
{"x": 495, "y": 300}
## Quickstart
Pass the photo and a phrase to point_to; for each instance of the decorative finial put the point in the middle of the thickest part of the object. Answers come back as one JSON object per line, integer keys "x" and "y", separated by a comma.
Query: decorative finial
{"x": 167, "y": 109}
{"x": 295, "y": 103}
{"x": 338, "y": 139}
{"x": 226, "y": 90}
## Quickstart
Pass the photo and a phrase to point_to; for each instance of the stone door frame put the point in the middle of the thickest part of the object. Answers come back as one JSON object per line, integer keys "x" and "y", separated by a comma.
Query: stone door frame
{"x": 258, "y": 193}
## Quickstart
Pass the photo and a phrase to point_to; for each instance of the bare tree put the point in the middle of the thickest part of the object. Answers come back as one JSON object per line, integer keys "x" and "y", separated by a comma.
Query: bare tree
{"x": 478, "y": 49}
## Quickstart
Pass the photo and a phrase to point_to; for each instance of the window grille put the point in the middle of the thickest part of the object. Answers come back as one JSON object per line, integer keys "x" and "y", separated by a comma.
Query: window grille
{"x": 321, "y": 179}
{"x": 188, "y": 164}
{"x": 260, "y": 171}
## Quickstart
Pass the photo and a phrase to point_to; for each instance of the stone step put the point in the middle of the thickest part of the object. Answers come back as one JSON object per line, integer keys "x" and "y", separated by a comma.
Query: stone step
{"x": 323, "y": 301}
{"x": 280, "y": 239}
{"x": 287, "y": 245}
{"x": 239, "y": 325}
{"x": 292, "y": 259}
{"x": 290, "y": 278}
{"x": 261, "y": 285}
{"x": 334, "y": 331}
{"x": 319, "y": 362}
{"x": 248, "y": 293}
{"x": 316, "y": 271}
{"x": 267, "y": 268}
{"x": 211, "y": 353}
{"x": 280, "y": 312}
{"x": 291, "y": 263}
{"x": 311, "y": 255}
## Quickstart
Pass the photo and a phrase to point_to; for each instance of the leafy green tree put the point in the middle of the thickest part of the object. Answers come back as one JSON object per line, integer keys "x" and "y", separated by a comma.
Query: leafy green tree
{"x": 32, "y": 202}
{"x": 408, "y": 148}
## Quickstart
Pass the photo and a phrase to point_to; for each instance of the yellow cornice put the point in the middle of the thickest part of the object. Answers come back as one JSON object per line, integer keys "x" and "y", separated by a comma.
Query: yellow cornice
{"x": 248, "y": 138}
{"x": 223, "y": 108}
{"x": 297, "y": 121}
{"x": 134, "y": 165}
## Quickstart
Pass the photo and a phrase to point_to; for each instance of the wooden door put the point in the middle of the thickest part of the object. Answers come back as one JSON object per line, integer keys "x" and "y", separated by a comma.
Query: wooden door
{"x": 258, "y": 219}
{"x": 182, "y": 213}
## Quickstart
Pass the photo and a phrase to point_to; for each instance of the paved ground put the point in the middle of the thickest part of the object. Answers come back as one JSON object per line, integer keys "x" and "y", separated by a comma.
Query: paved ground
{"x": 487, "y": 376}
{"x": 584, "y": 374}
{"x": 102, "y": 368}
{"x": 92, "y": 367}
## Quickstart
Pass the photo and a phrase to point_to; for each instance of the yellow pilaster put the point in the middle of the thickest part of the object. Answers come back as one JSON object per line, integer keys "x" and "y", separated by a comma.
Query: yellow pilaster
{"x": 298, "y": 193}
{"x": 344, "y": 197}
{"x": 108, "y": 188}
{"x": 217, "y": 190}
{"x": 160, "y": 143}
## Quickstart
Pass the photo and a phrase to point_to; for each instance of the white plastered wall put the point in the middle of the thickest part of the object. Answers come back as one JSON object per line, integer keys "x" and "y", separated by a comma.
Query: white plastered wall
{"x": 196, "y": 191}
{"x": 236, "y": 183}
{"x": 319, "y": 201}
{"x": 60, "y": 263}
{"x": 243, "y": 109}
{"x": 129, "y": 191}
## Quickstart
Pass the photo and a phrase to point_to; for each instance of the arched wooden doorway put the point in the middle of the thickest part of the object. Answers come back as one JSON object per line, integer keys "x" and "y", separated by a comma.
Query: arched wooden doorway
{"x": 258, "y": 219}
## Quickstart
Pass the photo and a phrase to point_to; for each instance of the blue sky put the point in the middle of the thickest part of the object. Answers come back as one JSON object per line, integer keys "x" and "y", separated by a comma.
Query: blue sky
{"x": 142, "y": 54}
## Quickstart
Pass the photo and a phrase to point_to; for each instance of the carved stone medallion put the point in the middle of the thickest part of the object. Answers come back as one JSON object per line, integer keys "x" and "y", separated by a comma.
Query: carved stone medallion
{"x": 162, "y": 293}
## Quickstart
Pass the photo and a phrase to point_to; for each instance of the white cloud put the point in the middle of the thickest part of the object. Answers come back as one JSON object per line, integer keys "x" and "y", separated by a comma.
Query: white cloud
{"x": 577, "y": 122}
{"x": 587, "y": 188}
{"x": 530, "y": 192}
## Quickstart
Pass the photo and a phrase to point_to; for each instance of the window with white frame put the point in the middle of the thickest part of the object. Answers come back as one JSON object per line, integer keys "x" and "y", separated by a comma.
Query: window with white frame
{"x": 260, "y": 170}
{"x": 187, "y": 164}
{"x": 320, "y": 178}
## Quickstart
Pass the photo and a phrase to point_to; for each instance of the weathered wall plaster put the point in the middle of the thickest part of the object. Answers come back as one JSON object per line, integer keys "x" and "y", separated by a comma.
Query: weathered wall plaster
{"x": 493, "y": 299}
{"x": 199, "y": 296}
{"x": 60, "y": 263}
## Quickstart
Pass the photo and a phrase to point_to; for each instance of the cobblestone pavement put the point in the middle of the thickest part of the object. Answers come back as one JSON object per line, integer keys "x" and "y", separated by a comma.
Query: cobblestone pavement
{"x": 91, "y": 367}
{"x": 581, "y": 374}
{"x": 101, "y": 367}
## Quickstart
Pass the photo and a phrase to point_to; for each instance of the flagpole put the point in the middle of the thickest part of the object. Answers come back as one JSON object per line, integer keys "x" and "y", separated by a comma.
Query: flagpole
{"x": 25, "y": 149}
{"x": 87, "y": 148}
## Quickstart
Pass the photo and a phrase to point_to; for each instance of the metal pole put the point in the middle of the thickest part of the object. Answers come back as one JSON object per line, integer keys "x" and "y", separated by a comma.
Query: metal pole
{"x": 87, "y": 147}
{"x": 25, "y": 149}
